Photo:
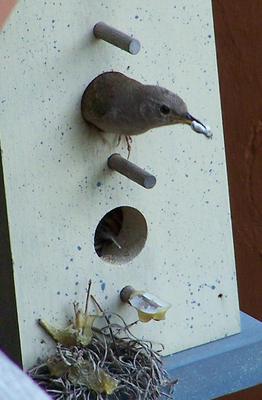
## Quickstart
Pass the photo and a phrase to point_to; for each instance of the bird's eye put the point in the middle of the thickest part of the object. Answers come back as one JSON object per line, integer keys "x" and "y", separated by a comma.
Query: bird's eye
{"x": 164, "y": 109}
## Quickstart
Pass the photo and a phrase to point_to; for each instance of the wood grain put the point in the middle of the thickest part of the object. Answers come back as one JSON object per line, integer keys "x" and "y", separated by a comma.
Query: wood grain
{"x": 239, "y": 51}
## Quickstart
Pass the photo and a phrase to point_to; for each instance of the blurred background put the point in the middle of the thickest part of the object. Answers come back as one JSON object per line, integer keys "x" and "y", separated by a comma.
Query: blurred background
{"x": 238, "y": 31}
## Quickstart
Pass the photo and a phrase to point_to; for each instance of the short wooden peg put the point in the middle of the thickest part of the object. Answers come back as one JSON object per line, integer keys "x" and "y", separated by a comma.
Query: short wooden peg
{"x": 117, "y": 38}
{"x": 131, "y": 171}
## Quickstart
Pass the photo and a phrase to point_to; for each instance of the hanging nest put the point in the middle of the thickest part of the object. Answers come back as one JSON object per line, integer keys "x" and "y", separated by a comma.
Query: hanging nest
{"x": 99, "y": 364}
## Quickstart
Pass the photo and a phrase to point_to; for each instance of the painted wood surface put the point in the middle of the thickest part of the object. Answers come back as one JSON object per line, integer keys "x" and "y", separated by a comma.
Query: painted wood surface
{"x": 58, "y": 185}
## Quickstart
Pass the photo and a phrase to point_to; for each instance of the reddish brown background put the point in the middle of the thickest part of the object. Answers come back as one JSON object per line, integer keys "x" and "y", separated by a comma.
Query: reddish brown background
{"x": 238, "y": 29}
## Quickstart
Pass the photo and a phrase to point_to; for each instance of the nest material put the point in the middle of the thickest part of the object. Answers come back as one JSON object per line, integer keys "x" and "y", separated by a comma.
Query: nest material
{"x": 114, "y": 365}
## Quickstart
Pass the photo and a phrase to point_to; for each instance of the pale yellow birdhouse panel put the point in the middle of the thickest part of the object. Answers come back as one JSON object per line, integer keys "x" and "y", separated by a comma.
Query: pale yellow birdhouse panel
{"x": 176, "y": 237}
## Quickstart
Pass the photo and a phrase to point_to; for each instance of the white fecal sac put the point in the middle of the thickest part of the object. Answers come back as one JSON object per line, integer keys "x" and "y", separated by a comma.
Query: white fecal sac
{"x": 201, "y": 129}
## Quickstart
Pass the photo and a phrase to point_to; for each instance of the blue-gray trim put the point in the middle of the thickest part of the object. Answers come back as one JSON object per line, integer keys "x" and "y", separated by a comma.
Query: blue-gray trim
{"x": 221, "y": 367}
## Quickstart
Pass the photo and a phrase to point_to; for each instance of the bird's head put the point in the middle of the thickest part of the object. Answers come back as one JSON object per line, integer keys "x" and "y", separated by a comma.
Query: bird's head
{"x": 163, "y": 107}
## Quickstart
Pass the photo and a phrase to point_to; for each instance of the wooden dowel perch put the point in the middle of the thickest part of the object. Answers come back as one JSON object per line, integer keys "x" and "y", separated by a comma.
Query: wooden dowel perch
{"x": 117, "y": 38}
{"x": 131, "y": 171}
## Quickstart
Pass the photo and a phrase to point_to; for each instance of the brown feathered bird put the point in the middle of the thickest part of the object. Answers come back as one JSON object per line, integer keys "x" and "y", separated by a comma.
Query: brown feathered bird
{"x": 114, "y": 103}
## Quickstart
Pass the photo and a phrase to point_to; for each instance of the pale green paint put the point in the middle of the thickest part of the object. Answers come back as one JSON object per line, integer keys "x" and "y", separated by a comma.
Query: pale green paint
{"x": 48, "y": 57}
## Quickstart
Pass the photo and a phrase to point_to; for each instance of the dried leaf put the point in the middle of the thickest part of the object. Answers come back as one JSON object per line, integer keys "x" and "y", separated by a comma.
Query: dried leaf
{"x": 143, "y": 317}
{"x": 66, "y": 336}
{"x": 79, "y": 319}
{"x": 85, "y": 323}
{"x": 57, "y": 367}
{"x": 78, "y": 333}
{"x": 97, "y": 380}
{"x": 149, "y": 306}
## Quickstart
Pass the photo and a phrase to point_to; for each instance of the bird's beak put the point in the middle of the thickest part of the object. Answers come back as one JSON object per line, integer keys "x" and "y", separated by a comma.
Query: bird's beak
{"x": 197, "y": 126}
{"x": 189, "y": 119}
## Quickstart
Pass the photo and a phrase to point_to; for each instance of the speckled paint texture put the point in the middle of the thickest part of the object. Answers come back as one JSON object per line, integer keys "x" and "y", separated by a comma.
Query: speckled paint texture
{"x": 58, "y": 186}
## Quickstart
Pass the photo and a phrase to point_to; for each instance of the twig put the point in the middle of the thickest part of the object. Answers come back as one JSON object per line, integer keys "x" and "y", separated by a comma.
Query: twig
{"x": 87, "y": 295}
{"x": 107, "y": 320}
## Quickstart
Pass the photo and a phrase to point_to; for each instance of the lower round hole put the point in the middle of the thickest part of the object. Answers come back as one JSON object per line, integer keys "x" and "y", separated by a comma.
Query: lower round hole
{"x": 120, "y": 235}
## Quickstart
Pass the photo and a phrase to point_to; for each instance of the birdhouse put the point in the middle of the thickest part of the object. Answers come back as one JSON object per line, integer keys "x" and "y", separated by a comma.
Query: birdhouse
{"x": 73, "y": 215}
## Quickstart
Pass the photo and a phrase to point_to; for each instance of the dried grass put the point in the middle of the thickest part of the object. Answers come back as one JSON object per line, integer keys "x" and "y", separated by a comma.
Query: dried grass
{"x": 133, "y": 363}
